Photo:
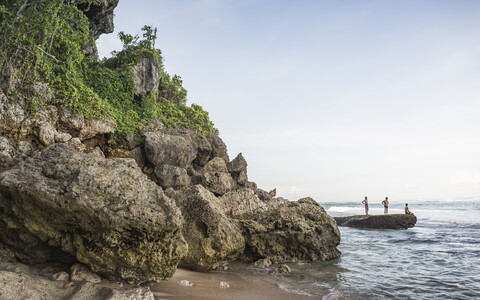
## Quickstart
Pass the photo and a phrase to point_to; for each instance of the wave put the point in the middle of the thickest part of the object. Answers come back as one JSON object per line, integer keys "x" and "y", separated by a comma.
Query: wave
{"x": 453, "y": 216}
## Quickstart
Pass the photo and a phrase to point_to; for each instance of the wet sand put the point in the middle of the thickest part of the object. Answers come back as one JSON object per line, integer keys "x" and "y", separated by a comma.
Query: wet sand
{"x": 244, "y": 284}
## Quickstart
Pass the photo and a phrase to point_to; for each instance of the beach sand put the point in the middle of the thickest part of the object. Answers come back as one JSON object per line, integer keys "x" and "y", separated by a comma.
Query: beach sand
{"x": 244, "y": 284}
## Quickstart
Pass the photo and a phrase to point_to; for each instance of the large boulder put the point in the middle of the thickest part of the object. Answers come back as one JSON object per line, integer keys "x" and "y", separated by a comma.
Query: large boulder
{"x": 104, "y": 212}
{"x": 11, "y": 115}
{"x": 93, "y": 128}
{"x": 291, "y": 231}
{"x": 166, "y": 149}
{"x": 243, "y": 203}
{"x": 70, "y": 121}
{"x": 238, "y": 169}
{"x": 219, "y": 149}
{"x": 171, "y": 176}
{"x": 213, "y": 238}
{"x": 204, "y": 148}
{"x": 146, "y": 76}
{"x": 216, "y": 178}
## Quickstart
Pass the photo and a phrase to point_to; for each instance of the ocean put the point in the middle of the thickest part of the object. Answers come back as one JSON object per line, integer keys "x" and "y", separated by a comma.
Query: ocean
{"x": 437, "y": 259}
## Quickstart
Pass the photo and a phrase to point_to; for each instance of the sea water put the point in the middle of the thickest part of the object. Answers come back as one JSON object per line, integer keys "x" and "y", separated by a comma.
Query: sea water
{"x": 437, "y": 259}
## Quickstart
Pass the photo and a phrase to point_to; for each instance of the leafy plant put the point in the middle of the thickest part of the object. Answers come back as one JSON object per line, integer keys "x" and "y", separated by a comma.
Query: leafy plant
{"x": 44, "y": 41}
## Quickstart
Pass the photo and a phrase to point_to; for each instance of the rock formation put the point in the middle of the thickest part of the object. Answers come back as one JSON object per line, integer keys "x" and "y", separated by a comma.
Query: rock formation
{"x": 392, "y": 221}
{"x": 135, "y": 209}
{"x": 103, "y": 212}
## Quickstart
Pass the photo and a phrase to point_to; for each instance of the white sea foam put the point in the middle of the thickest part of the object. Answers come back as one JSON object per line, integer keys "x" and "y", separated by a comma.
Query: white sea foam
{"x": 450, "y": 216}
{"x": 294, "y": 291}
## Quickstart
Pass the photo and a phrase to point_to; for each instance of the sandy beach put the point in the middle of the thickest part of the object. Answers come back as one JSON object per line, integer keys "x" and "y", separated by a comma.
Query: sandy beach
{"x": 243, "y": 284}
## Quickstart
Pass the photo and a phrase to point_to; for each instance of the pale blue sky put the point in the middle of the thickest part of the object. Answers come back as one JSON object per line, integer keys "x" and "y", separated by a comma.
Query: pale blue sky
{"x": 331, "y": 99}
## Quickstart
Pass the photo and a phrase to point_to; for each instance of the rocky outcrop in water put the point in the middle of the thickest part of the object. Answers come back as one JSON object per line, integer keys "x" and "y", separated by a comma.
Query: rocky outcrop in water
{"x": 393, "y": 221}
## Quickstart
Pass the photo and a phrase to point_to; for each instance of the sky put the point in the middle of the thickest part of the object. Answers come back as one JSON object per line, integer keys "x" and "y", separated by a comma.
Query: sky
{"x": 336, "y": 100}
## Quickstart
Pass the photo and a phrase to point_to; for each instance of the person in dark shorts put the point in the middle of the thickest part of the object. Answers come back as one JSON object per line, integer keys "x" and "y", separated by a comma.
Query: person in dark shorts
{"x": 366, "y": 205}
{"x": 385, "y": 206}
{"x": 407, "y": 210}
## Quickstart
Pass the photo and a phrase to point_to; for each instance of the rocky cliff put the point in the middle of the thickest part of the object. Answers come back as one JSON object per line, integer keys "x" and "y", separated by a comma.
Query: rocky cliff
{"x": 136, "y": 209}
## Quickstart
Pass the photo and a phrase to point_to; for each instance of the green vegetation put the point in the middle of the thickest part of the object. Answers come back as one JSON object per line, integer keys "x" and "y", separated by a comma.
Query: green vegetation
{"x": 45, "y": 41}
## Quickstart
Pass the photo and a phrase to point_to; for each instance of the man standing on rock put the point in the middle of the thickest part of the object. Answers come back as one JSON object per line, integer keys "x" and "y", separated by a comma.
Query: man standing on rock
{"x": 366, "y": 205}
{"x": 385, "y": 206}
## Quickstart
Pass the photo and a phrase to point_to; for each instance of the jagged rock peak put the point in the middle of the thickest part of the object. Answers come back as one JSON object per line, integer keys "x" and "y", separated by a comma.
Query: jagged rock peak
{"x": 100, "y": 14}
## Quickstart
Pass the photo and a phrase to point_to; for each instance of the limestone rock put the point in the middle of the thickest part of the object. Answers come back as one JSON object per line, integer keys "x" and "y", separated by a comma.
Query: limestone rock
{"x": 282, "y": 269}
{"x": 263, "y": 195}
{"x": 204, "y": 148}
{"x": 273, "y": 193}
{"x": 24, "y": 148}
{"x": 105, "y": 212}
{"x": 46, "y": 133}
{"x": 62, "y": 137}
{"x": 291, "y": 231}
{"x": 218, "y": 147}
{"x": 165, "y": 149}
{"x": 146, "y": 75}
{"x": 216, "y": 178}
{"x": 251, "y": 185}
{"x": 391, "y": 221}
{"x": 11, "y": 115}
{"x": 263, "y": 263}
{"x": 171, "y": 176}
{"x": 70, "y": 121}
{"x": 6, "y": 152}
{"x": 243, "y": 203}
{"x": 61, "y": 276}
{"x": 239, "y": 164}
{"x": 21, "y": 285}
{"x": 80, "y": 272}
{"x": 92, "y": 128}
{"x": 100, "y": 14}
{"x": 213, "y": 239}
{"x": 136, "y": 154}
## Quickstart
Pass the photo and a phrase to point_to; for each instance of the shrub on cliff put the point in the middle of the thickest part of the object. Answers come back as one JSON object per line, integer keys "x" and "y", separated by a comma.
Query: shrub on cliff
{"x": 45, "y": 41}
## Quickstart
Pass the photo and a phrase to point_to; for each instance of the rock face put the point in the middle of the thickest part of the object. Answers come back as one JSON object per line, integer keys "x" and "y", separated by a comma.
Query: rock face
{"x": 165, "y": 149}
{"x": 20, "y": 281}
{"x": 146, "y": 75}
{"x": 100, "y": 14}
{"x": 291, "y": 231}
{"x": 105, "y": 213}
{"x": 216, "y": 177}
{"x": 394, "y": 221}
{"x": 135, "y": 209}
{"x": 212, "y": 237}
